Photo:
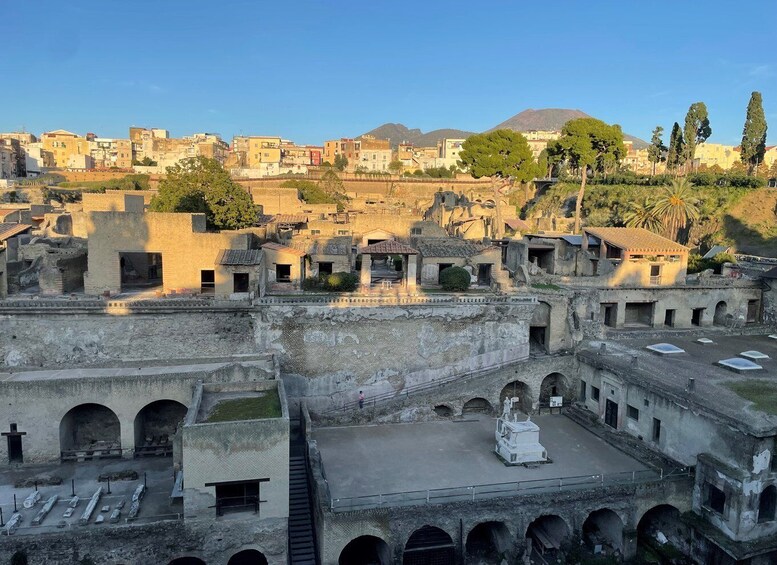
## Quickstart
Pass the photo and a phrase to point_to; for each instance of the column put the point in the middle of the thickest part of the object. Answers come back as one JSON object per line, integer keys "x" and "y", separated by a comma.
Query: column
{"x": 411, "y": 262}
{"x": 365, "y": 275}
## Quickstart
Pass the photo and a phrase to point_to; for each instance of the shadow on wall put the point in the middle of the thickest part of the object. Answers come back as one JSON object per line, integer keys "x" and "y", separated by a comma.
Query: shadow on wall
{"x": 748, "y": 240}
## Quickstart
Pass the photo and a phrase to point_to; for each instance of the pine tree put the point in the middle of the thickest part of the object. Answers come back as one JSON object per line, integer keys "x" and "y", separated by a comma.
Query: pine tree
{"x": 754, "y": 133}
{"x": 697, "y": 129}
{"x": 657, "y": 149}
{"x": 675, "y": 157}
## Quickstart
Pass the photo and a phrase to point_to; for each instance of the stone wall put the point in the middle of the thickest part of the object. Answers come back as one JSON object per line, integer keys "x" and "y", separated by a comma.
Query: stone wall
{"x": 65, "y": 337}
{"x": 329, "y": 352}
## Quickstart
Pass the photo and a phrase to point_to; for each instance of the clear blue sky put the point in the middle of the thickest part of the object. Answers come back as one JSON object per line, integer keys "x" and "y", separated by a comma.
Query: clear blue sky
{"x": 314, "y": 70}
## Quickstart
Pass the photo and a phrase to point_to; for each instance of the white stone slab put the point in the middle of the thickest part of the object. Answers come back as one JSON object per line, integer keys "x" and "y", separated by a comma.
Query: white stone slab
{"x": 664, "y": 349}
{"x": 753, "y": 354}
{"x": 705, "y": 340}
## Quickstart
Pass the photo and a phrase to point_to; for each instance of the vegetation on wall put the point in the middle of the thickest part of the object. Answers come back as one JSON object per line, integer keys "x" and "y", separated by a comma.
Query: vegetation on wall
{"x": 128, "y": 182}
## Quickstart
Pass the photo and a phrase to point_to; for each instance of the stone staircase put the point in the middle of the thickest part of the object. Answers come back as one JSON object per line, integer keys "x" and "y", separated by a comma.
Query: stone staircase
{"x": 302, "y": 543}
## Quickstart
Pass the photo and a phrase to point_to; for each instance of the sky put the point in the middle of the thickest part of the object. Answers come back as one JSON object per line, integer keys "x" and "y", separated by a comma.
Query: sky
{"x": 314, "y": 70}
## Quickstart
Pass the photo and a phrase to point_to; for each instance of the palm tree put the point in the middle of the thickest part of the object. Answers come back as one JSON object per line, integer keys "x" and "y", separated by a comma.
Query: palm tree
{"x": 676, "y": 207}
{"x": 643, "y": 215}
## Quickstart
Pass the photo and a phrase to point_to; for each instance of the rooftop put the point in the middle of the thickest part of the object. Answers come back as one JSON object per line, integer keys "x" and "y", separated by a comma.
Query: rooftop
{"x": 388, "y": 247}
{"x": 283, "y": 249}
{"x": 7, "y": 231}
{"x": 368, "y": 460}
{"x": 637, "y": 239}
{"x": 449, "y": 247}
{"x": 234, "y": 406}
{"x": 239, "y": 257}
{"x": 717, "y": 390}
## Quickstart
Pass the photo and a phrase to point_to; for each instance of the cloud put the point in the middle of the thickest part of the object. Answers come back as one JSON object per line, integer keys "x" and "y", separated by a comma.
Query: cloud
{"x": 760, "y": 71}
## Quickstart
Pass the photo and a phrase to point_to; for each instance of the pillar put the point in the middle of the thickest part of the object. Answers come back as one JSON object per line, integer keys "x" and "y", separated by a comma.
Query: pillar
{"x": 411, "y": 262}
{"x": 365, "y": 275}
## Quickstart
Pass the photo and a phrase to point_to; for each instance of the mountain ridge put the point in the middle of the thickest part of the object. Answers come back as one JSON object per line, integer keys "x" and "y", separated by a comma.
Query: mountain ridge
{"x": 544, "y": 119}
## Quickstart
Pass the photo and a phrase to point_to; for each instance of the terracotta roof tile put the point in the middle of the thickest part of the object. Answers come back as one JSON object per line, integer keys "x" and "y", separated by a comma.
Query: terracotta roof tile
{"x": 636, "y": 239}
{"x": 283, "y": 249}
{"x": 239, "y": 257}
{"x": 388, "y": 247}
{"x": 444, "y": 247}
{"x": 7, "y": 231}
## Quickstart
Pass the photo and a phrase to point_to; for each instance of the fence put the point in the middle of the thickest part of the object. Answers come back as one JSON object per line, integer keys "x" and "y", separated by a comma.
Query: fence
{"x": 476, "y": 493}
{"x": 337, "y": 300}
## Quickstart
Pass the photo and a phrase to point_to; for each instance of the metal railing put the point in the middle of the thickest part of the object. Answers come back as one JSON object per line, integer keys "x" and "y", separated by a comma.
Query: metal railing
{"x": 357, "y": 299}
{"x": 475, "y": 493}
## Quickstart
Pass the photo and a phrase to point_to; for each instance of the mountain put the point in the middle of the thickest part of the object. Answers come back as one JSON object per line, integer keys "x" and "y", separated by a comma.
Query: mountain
{"x": 398, "y": 133}
{"x": 552, "y": 119}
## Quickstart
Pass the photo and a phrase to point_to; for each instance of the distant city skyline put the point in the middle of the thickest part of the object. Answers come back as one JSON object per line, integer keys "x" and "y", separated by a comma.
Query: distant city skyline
{"x": 313, "y": 71}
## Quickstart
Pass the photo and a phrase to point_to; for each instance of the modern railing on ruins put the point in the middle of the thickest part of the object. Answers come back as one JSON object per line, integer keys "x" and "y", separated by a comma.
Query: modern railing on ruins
{"x": 475, "y": 493}
{"x": 356, "y": 299}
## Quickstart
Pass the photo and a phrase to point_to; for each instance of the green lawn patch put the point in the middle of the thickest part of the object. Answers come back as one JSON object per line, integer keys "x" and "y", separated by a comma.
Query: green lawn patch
{"x": 252, "y": 408}
{"x": 761, "y": 393}
{"x": 546, "y": 286}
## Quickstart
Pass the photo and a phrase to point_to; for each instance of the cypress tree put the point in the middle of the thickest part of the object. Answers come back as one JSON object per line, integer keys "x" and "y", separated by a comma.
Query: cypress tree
{"x": 754, "y": 133}
{"x": 697, "y": 129}
{"x": 675, "y": 157}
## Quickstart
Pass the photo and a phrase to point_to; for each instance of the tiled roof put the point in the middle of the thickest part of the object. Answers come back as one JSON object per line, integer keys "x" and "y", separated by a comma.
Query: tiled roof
{"x": 443, "y": 247}
{"x": 9, "y": 230}
{"x": 239, "y": 257}
{"x": 283, "y": 249}
{"x": 516, "y": 224}
{"x": 7, "y": 211}
{"x": 637, "y": 239}
{"x": 290, "y": 219}
{"x": 388, "y": 247}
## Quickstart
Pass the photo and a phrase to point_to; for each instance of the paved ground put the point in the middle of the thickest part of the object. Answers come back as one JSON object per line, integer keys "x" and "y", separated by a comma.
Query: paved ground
{"x": 365, "y": 460}
{"x": 155, "y": 505}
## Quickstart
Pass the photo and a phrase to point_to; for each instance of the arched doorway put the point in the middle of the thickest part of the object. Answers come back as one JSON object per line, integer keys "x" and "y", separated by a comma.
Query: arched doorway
{"x": 603, "y": 532}
{"x": 476, "y": 406}
{"x": 662, "y": 534}
{"x": 429, "y": 546}
{"x": 248, "y": 557}
{"x": 545, "y": 537}
{"x": 155, "y": 426}
{"x": 720, "y": 313}
{"x": 520, "y": 390}
{"x": 443, "y": 410}
{"x": 365, "y": 550}
{"x": 767, "y": 503}
{"x": 488, "y": 542}
{"x": 187, "y": 561}
{"x": 555, "y": 384}
{"x": 89, "y": 430}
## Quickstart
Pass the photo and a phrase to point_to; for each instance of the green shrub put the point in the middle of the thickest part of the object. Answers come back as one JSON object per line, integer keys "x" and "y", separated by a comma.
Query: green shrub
{"x": 697, "y": 263}
{"x": 341, "y": 282}
{"x": 454, "y": 279}
{"x": 311, "y": 283}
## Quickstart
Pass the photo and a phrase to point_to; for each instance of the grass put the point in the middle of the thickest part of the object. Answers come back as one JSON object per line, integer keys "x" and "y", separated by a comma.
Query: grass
{"x": 763, "y": 394}
{"x": 253, "y": 408}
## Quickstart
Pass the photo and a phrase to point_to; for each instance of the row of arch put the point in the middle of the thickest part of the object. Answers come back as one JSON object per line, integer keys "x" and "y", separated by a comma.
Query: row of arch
{"x": 490, "y": 541}
{"x": 245, "y": 557}
{"x": 554, "y": 384}
{"x": 93, "y": 426}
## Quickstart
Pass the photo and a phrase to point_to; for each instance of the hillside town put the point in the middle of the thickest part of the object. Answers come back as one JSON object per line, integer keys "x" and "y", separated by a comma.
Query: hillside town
{"x": 236, "y": 331}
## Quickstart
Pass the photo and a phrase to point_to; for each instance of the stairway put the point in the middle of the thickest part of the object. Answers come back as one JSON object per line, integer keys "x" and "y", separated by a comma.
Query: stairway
{"x": 302, "y": 543}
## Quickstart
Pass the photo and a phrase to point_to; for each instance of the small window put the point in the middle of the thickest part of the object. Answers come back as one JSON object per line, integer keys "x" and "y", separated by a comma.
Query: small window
{"x": 656, "y": 429}
{"x": 325, "y": 268}
{"x": 415, "y": 231}
{"x": 582, "y": 391}
{"x": 283, "y": 273}
{"x": 594, "y": 393}
{"x": 342, "y": 232}
{"x": 646, "y": 402}
{"x": 767, "y": 503}
{"x": 315, "y": 232}
{"x": 240, "y": 282}
{"x": 632, "y": 412}
{"x": 207, "y": 282}
{"x": 716, "y": 499}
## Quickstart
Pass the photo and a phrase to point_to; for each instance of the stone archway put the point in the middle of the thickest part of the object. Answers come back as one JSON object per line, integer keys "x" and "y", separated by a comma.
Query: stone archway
{"x": 603, "y": 530}
{"x": 488, "y": 542}
{"x": 365, "y": 550}
{"x": 661, "y": 531}
{"x": 187, "y": 561}
{"x": 520, "y": 390}
{"x": 721, "y": 309}
{"x": 155, "y": 425}
{"x": 89, "y": 430}
{"x": 248, "y": 557}
{"x": 546, "y": 535}
{"x": 477, "y": 406}
{"x": 429, "y": 545}
{"x": 555, "y": 384}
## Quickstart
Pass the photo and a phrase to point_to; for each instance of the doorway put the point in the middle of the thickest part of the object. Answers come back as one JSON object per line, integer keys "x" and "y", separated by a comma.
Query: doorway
{"x": 15, "y": 451}
{"x": 240, "y": 282}
{"x": 696, "y": 316}
{"x": 611, "y": 414}
{"x": 669, "y": 318}
{"x": 484, "y": 274}
{"x": 608, "y": 313}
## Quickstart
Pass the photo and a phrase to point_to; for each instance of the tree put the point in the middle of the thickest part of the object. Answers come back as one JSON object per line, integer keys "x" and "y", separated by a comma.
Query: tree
{"x": 395, "y": 167}
{"x": 504, "y": 156}
{"x": 455, "y": 279}
{"x": 201, "y": 185}
{"x": 754, "y": 133}
{"x": 675, "y": 156}
{"x": 331, "y": 185}
{"x": 676, "y": 208}
{"x": 341, "y": 162}
{"x": 697, "y": 129}
{"x": 588, "y": 142}
{"x": 642, "y": 215}
{"x": 657, "y": 149}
